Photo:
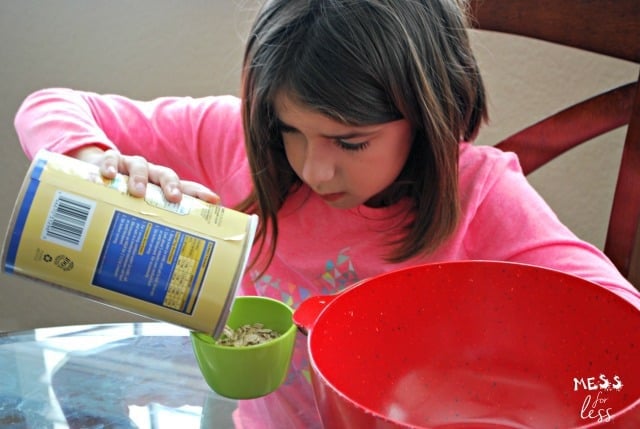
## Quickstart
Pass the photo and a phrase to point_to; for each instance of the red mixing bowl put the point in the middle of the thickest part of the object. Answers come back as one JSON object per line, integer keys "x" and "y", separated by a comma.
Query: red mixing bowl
{"x": 474, "y": 345}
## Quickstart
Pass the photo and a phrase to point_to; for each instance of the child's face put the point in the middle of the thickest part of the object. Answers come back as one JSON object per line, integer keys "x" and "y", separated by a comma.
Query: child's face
{"x": 345, "y": 165}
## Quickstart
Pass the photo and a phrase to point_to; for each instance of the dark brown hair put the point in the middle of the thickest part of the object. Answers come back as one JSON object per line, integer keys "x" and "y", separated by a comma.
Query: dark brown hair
{"x": 366, "y": 62}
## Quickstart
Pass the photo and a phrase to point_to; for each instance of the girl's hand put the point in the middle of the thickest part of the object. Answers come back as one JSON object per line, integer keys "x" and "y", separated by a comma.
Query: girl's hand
{"x": 141, "y": 172}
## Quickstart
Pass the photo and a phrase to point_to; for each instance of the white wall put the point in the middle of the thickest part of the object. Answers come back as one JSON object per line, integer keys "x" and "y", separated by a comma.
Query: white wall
{"x": 149, "y": 48}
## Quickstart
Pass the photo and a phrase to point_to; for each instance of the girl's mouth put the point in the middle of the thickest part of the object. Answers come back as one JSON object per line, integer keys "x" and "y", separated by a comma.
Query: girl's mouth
{"x": 332, "y": 197}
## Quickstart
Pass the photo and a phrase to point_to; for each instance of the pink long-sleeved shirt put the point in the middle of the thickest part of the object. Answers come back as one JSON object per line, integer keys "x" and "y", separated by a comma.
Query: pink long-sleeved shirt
{"x": 321, "y": 249}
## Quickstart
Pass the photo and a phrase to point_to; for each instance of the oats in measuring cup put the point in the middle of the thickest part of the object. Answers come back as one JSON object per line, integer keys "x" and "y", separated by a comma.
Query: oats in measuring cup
{"x": 247, "y": 335}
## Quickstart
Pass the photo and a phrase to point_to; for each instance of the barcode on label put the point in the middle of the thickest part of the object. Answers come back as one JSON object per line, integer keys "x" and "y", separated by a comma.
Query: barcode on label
{"x": 68, "y": 220}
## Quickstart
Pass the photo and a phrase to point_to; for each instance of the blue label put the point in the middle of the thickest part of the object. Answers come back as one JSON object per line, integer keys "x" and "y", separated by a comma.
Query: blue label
{"x": 22, "y": 214}
{"x": 153, "y": 262}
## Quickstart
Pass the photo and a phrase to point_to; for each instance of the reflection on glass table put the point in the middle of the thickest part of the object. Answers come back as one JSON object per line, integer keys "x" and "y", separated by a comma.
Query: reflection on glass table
{"x": 140, "y": 375}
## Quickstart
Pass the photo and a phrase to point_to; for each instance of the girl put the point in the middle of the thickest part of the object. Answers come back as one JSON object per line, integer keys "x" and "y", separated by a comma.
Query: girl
{"x": 351, "y": 141}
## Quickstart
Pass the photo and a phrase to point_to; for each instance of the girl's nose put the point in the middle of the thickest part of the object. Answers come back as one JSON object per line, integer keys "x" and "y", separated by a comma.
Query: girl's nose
{"x": 319, "y": 165}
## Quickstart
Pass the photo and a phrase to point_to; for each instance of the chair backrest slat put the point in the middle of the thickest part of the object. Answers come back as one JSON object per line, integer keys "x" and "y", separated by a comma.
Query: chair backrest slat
{"x": 608, "y": 27}
{"x": 623, "y": 236}
{"x": 548, "y": 138}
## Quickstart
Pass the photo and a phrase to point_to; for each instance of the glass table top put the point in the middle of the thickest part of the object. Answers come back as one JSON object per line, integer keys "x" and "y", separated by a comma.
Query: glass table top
{"x": 132, "y": 375}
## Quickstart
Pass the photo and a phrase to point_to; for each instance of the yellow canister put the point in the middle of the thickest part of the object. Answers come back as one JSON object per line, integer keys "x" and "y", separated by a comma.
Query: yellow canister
{"x": 178, "y": 263}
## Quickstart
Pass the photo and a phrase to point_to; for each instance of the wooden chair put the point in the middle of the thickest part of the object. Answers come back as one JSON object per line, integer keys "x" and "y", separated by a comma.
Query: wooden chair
{"x": 609, "y": 27}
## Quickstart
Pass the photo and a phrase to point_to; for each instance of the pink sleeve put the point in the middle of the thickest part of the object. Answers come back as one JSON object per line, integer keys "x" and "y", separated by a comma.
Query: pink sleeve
{"x": 200, "y": 138}
{"x": 512, "y": 222}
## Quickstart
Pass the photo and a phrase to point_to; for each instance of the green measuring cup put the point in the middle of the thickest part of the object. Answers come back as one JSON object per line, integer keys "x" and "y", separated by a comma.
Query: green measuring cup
{"x": 250, "y": 371}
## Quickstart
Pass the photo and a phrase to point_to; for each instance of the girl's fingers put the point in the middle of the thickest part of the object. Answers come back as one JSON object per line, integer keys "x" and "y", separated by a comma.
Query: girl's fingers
{"x": 138, "y": 170}
{"x": 168, "y": 180}
{"x": 109, "y": 163}
{"x": 141, "y": 172}
{"x": 199, "y": 191}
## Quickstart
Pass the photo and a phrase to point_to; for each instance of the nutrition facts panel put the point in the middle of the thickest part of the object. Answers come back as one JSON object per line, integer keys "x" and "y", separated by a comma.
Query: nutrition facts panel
{"x": 153, "y": 262}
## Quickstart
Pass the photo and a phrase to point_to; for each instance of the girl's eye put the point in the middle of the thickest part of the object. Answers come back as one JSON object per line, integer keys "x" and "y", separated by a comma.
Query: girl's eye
{"x": 351, "y": 146}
